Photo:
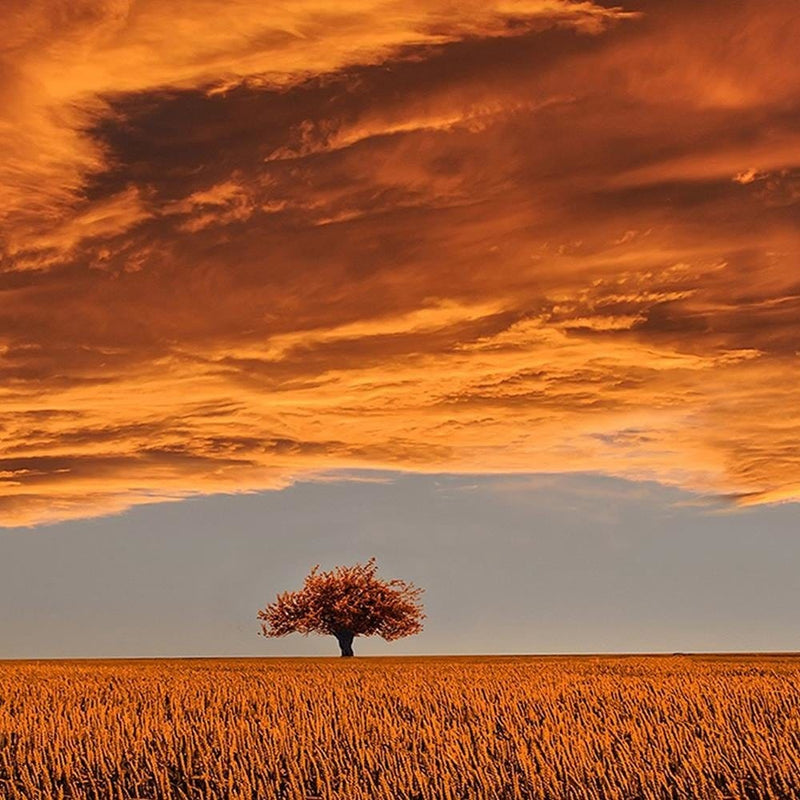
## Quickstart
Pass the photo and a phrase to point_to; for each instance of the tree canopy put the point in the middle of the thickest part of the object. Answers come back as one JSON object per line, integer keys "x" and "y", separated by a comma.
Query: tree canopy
{"x": 346, "y": 602}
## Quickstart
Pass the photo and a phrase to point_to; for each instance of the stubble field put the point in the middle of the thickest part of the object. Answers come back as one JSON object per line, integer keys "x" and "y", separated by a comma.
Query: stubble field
{"x": 395, "y": 728}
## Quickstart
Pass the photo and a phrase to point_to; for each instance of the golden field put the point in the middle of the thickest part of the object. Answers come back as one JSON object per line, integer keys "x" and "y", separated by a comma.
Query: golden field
{"x": 391, "y": 728}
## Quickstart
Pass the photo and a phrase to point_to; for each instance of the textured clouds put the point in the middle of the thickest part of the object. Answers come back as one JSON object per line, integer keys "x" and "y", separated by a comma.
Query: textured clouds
{"x": 240, "y": 244}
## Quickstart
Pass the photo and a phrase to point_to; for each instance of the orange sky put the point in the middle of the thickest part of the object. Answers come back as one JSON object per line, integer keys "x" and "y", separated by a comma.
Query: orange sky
{"x": 245, "y": 242}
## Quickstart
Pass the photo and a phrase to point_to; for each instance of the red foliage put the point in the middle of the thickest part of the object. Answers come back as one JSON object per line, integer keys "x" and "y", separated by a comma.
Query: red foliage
{"x": 346, "y": 600}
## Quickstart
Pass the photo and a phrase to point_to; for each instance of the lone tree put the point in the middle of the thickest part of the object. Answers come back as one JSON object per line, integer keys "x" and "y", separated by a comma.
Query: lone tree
{"x": 347, "y": 602}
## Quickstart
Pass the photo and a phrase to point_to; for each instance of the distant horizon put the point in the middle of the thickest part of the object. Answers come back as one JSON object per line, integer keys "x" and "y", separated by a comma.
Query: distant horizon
{"x": 712, "y": 654}
{"x": 379, "y": 656}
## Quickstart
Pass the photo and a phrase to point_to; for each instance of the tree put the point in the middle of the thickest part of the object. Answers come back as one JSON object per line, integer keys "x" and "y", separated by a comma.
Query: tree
{"x": 345, "y": 603}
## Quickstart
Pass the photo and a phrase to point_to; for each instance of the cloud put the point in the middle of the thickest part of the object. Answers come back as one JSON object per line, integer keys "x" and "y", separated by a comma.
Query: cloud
{"x": 530, "y": 236}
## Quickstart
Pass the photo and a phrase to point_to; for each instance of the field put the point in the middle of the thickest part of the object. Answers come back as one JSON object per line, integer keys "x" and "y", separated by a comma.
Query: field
{"x": 386, "y": 729}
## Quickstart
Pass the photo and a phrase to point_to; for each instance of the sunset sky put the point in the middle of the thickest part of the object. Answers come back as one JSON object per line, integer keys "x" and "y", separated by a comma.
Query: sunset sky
{"x": 344, "y": 249}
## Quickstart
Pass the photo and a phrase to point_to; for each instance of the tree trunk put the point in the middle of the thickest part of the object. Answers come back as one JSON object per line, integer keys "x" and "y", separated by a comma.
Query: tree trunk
{"x": 345, "y": 639}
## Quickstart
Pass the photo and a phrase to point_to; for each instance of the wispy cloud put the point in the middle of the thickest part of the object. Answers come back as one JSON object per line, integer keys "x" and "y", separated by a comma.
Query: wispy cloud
{"x": 242, "y": 245}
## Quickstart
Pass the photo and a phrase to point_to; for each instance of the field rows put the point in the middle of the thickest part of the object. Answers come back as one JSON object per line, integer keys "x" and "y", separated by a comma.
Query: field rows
{"x": 389, "y": 729}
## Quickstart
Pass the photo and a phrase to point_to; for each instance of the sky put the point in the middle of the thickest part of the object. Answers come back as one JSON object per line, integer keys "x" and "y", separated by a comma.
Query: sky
{"x": 252, "y": 253}
{"x": 509, "y": 564}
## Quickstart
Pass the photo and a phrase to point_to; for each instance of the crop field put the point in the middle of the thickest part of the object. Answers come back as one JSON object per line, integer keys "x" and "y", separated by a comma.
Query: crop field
{"x": 391, "y": 728}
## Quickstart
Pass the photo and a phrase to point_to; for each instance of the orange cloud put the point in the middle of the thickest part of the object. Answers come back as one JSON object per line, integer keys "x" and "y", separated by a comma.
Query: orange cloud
{"x": 242, "y": 245}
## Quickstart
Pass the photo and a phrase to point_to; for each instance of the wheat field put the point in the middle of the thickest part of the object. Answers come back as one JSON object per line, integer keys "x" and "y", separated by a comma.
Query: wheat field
{"x": 391, "y": 728}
